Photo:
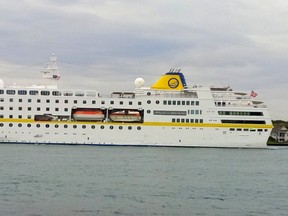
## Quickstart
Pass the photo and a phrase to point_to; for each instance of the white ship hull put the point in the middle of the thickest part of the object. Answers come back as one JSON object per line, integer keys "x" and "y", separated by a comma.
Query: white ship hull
{"x": 138, "y": 135}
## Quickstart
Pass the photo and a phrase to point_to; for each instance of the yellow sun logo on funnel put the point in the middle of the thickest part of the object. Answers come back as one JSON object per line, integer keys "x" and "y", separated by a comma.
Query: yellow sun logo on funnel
{"x": 173, "y": 83}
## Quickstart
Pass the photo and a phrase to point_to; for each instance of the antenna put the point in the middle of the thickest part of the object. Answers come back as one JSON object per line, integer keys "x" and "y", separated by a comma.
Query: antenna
{"x": 52, "y": 70}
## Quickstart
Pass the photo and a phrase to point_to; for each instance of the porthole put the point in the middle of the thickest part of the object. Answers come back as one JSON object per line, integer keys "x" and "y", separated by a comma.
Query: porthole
{"x": 56, "y": 126}
{"x": 28, "y": 125}
{"x": 1, "y": 124}
{"x": 74, "y": 126}
{"x": 37, "y": 125}
{"x": 148, "y": 111}
{"x": 120, "y": 127}
{"x": 148, "y": 102}
{"x": 83, "y": 126}
{"x": 47, "y": 125}
{"x": 138, "y": 128}
{"x": 19, "y": 125}
{"x": 129, "y": 128}
{"x": 157, "y": 101}
{"x": 93, "y": 126}
{"x": 148, "y": 93}
{"x": 102, "y": 126}
{"x": 10, "y": 125}
{"x": 111, "y": 127}
{"x": 65, "y": 126}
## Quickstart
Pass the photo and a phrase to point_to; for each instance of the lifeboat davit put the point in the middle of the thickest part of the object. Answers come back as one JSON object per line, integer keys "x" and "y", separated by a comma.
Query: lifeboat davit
{"x": 88, "y": 115}
{"x": 125, "y": 116}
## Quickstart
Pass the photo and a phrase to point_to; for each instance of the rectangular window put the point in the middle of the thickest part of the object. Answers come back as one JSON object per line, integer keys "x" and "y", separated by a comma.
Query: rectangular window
{"x": 191, "y": 120}
{"x": 57, "y": 101}
{"x": 130, "y": 103}
{"x": 178, "y": 103}
{"x": 10, "y": 108}
{"x": 38, "y": 101}
{"x": 56, "y": 93}
{"x": 165, "y": 102}
{"x": 47, "y": 101}
{"x": 22, "y": 92}
{"x": 20, "y": 108}
{"x": 46, "y": 93}
{"x": 20, "y": 100}
{"x": 197, "y": 103}
{"x": 10, "y": 92}
{"x": 38, "y": 109}
{"x": 168, "y": 112}
{"x": 47, "y": 109}
{"x": 174, "y": 102}
{"x": 29, "y": 108}
{"x": 66, "y": 101}
{"x": 33, "y": 92}
{"x": 93, "y": 102}
{"x": 112, "y": 102}
{"x": 11, "y": 100}
{"x": 169, "y": 102}
{"x": 75, "y": 101}
{"x": 139, "y": 103}
{"x": 29, "y": 100}
{"x": 56, "y": 109}
{"x": 84, "y": 102}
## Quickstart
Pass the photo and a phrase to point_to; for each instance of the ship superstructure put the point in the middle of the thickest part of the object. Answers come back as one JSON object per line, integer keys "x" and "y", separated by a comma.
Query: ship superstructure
{"x": 168, "y": 113}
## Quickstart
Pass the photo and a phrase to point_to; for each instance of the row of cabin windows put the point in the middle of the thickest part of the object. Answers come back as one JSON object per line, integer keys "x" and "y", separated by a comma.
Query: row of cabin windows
{"x": 240, "y": 113}
{"x": 111, "y": 127}
{"x": 246, "y": 129}
{"x": 182, "y": 120}
{"x": 48, "y": 93}
{"x": 174, "y": 102}
{"x": 67, "y": 101}
{"x": 195, "y": 112}
{"x": 37, "y": 108}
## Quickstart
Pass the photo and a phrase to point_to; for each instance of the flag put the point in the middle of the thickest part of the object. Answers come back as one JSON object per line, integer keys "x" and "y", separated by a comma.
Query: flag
{"x": 253, "y": 94}
{"x": 56, "y": 77}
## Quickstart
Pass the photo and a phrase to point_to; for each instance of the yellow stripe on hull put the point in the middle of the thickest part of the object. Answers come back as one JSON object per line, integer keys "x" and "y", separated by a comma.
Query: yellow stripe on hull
{"x": 167, "y": 124}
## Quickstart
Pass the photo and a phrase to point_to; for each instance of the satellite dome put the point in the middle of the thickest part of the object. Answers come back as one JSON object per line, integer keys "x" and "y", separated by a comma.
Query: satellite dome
{"x": 1, "y": 83}
{"x": 139, "y": 82}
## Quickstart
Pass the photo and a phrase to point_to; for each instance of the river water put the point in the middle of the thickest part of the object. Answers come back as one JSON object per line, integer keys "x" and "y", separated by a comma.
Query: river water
{"x": 43, "y": 180}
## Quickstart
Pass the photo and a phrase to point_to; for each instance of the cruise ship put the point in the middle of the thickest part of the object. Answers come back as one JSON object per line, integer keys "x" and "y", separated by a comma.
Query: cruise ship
{"x": 167, "y": 113}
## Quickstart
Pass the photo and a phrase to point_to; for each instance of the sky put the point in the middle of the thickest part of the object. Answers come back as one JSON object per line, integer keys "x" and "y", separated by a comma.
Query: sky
{"x": 105, "y": 45}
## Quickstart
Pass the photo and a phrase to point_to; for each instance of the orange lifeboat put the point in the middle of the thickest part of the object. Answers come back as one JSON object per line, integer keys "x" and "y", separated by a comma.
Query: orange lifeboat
{"x": 125, "y": 116}
{"x": 88, "y": 115}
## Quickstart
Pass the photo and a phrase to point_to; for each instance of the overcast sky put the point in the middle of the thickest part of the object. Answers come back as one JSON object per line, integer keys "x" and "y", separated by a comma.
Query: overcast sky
{"x": 106, "y": 45}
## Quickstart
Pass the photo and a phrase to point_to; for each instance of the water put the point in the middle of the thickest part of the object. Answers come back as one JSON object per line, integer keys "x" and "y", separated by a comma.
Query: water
{"x": 43, "y": 180}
